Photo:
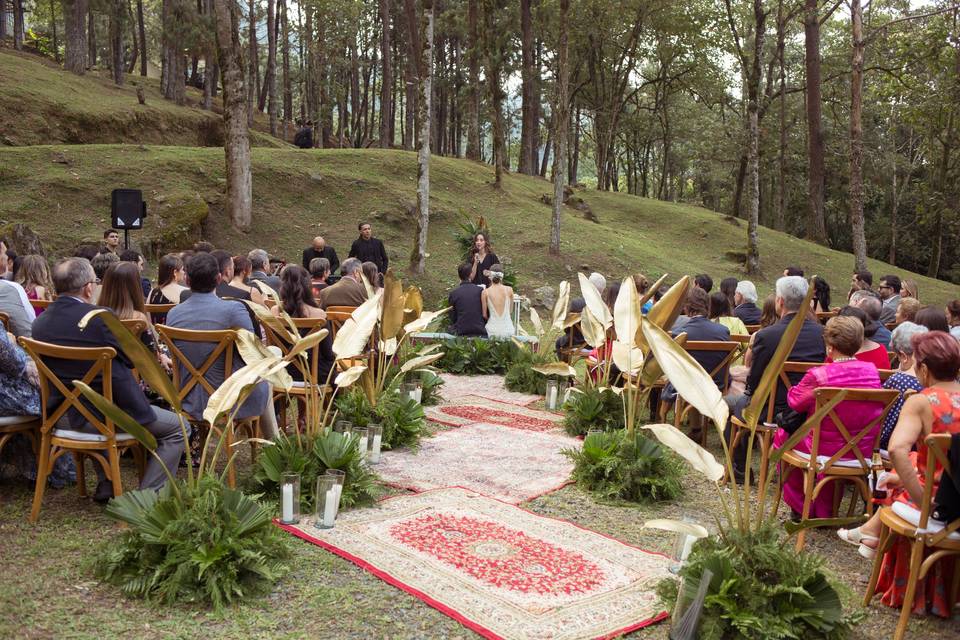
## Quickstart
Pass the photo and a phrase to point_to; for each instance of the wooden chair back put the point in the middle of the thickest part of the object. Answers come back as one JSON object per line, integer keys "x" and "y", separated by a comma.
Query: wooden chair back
{"x": 574, "y": 344}
{"x": 100, "y": 369}
{"x": 852, "y": 438}
{"x": 729, "y": 348}
{"x": 784, "y": 381}
{"x": 341, "y": 309}
{"x": 223, "y": 341}
{"x": 753, "y": 328}
{"x": 282, "y": 342}
{"x": 938, "y": 446}
{"x": 336, "y": 319}
{"x": 158, "y": 312}
{"x": 136, "y": 327}
{"x": 40, "y": 304}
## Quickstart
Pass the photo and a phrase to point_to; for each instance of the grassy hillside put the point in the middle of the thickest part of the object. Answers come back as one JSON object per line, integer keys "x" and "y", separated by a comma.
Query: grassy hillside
{"x": 64, "y": 193}
{"x": 40, "y": 103}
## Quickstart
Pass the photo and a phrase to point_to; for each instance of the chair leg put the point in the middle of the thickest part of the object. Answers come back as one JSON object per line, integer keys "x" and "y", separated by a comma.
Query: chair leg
{"x": 809, "y": 479}
{"x": 765, "y": 445}
{"x": 114, "y": 457}
{"x": 885, "y": 535}
{"x": 80, "y": 461}
{"x": 43, "y": 470}
{"x": 916, "y": 556}
{"x": 955, "y": 587}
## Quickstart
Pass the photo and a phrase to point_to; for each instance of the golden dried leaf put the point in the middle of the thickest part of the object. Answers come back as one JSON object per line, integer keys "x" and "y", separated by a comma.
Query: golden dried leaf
{"x": 391, "y": 321}
{"x": 352, "y": 338}
{"x": 560, "y": 306}
{"x": 594, "y": 302}
{"x": 698, "y": 457}
{"x": 555, "y": 369}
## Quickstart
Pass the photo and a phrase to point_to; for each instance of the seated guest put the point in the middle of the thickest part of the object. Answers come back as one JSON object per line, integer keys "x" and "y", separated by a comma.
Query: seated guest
{"x": 909, "y": 289}
{"x": 889, "y": 291}
{"x": 870, "y": 303}
{"x": 260, "y": 263}
{"x": 869, "y": 351}
{"x": 720, "y": 313}
{"x": 843, "y": 336}
{"x": 204, "y": 311}
{"x": 576, "y": 306}
{"x": 129, "y": 255}
{"x": 953, "y": 318}
{"x": 905, "y": 378}
{"x": 821, "y": 295}
{"x": 907, "y": 310}
{"x": 34, "y": 277}
{"x": 466, "y": 313}
{"x": 241, "y": 275}
{"x": 860, "y": 281}
{"x": 121, "y": 293}
{"x": 809, "y": 347}
{"x": 703, "y": 281}
{"x": 170, "y": 277}
{"x": 297, "y": 300}
{"x": 349, "y": 290}
{"x": 73, "y": 279}
{"x": 745, "y": 300}
{"x": 370, "y": 272}
{"x": 319, "y": 249}
{"x": 698, "y": 328}
{"x": 769, "y": 315}
{"x": 934, "y": 410}
{"x": 642, "y": 284}
{"x": 728, "y": 287}
{"x": 319, "y": 272}
{"x": 227, "y": 290}
{"x": 14, "y": 301}
{"x": 793, "y": 271}
{"x": 101, "y": 262}
{"x": 933, "y": 318}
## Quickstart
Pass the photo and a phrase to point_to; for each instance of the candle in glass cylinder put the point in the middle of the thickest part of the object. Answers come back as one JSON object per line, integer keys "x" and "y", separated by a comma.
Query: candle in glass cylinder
{"x": 287, "y": 503}
{"x": 375, "y": 438}
{"x": 290, "y": 498}
{"x": 364, "y": 443}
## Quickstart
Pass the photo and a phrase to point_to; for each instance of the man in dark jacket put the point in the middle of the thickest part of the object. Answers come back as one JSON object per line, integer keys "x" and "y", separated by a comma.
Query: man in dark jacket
{"x": 366, "y": 248}
{"x": 319, "y": 249}
{"x": 745, "y": 299}
{"x": 466, "y": 313}
{"x": 74, "y": 281}
{"x": 699, "y": 329}
{"x": 809, "y": 347}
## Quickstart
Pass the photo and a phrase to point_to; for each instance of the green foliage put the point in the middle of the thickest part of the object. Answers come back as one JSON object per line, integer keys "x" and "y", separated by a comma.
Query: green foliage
{"x": 617, "y": 466}
{"x": 592, "y": 408}
{"x": 402, "y": 419}
{"x": 520, "y": 377}
{"x": 475, "y": 356}
{"x": 761, "y": 588}
{"x": 206, "y": 544}
{"x": 311, "y": 458}
{"x": 431, "y": 388}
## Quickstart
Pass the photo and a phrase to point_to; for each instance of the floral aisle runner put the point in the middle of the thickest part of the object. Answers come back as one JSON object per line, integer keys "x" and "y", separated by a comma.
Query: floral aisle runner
{"x": 500, "y": 570}
{"x": 508, "y": 464}
{"x": 490, "y": 387}
{"x": 470, "y": 409}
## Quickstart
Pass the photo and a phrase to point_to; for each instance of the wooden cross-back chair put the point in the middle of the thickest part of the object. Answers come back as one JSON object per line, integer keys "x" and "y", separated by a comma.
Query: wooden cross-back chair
{"x": 924, "y": 534}
{"x": 753, "y": 328}
{"x": 224, "y": 342}
{"x": 766, "y": 427}
{"x": 40, "y": 304}
{"x": 136, "y": 327}
{"x": 574, "y": 346}
{"x": 5, "y": 319}
{"x": 336, "y": 317}
{"x": 730, "y": 349}
{"x": 158, "y": 312}
{"x": 305, "y": 326}
{"x": 848, "y": 463}
{"x": 823, "y": 316}
{"x": 55, "y": 442}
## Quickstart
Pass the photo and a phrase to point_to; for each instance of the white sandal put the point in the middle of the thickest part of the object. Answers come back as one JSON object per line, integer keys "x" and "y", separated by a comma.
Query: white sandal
{"x": 855, "y": 536}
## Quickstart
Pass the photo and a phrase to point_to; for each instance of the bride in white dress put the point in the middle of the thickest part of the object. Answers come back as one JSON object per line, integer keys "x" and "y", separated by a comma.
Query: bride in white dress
{"x": 497, "y": 301}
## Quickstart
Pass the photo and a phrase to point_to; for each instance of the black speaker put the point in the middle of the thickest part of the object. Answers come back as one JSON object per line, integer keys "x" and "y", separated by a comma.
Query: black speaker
{"x": 127, "y": 209}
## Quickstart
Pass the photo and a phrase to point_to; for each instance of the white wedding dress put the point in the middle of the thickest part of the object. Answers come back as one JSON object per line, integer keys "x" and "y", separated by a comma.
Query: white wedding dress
{"x": 499, "y": 325}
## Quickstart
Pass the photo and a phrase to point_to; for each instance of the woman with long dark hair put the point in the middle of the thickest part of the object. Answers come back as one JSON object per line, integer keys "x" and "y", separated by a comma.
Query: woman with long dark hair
{"x": 821, "y": 295}
{"x": 481, "y": 258}
{"x": 170, "y": 279}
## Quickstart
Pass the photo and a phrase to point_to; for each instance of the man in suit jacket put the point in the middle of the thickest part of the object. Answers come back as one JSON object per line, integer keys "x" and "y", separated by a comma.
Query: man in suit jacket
{"x": 700, "y": 329}
{"x": 205, "y": 311}
{"x": 73, "y": 279}
{"x": 809, "y": 347}
{"x": 366, "y": 248}
{"x": 260, "y": 263}
{"x": 889, "y": 290}
{"x": 466, "y": 313}
{"x": 745, "y": 299}
{"x": 321, "y": 250}
{"x": 348, "y": 291}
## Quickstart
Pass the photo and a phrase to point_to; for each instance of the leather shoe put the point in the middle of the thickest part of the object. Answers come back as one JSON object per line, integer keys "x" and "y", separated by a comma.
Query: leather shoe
{"x": 104, "y": 492}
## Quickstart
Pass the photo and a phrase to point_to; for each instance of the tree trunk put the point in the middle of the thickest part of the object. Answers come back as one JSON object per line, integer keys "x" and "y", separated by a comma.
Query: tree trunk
{"x": 239, "y": 200}
{"x": 561, "y": 126}
{"x": 943, "y": 173}
{"x": 858, "y": 237}
{"x": 418, "y": 259}
{"x": 251, "y": 61}
{"x": 285, "y": 51}
{"x": 18, "y": 24}
{"x": 528, "y": 111}
{"x": 75, "y": 22}
{"x": 3, "y": 19}
{"x": 175, "y": 67}
{"x": 91, "y": 37}
{"x": 117, "y": 24}
{"x": 494, "y": 62}
{"x": 386, "y": 76}
{"x": 473, "y": 92}
{"x": 755, "y": 77}
{"x": 780, "y": 218}
{"x": 142, "y": 34}
{"x": 816, "y": 151}
{"x": 414, "y": 52}
{"x": 573, "y": 164}
{"x": 271, "y": 78}
{"x": 53, "y": 29}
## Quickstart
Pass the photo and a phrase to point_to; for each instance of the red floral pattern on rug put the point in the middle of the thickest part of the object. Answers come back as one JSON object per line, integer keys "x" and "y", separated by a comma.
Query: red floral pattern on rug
{"x": 496, "y": 416}
{"x": 500, "y": 556}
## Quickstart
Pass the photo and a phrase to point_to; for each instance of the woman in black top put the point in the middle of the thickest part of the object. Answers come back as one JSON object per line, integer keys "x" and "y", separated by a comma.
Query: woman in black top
{"x": 481, "y": 258}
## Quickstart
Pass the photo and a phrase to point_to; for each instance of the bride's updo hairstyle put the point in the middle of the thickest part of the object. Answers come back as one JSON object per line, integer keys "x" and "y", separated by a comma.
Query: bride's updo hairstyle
{"x": 495, "y": 273}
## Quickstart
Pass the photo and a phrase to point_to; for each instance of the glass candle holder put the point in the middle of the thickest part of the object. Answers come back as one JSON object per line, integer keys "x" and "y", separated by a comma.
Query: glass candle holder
{"x": 418, "y": 389}
{"x": 553, "y": 393}
{"x": 290, "y": 498}
{"x": 408, "y": 390}
{"x": 329, "y": 490}
{"x": 362, "y": 434}
{"x": 342, "y": 426}
{"x": 374, "y": 440}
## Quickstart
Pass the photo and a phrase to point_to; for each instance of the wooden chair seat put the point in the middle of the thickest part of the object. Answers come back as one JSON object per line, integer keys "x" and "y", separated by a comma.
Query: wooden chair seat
{"x": 28, "y": 426}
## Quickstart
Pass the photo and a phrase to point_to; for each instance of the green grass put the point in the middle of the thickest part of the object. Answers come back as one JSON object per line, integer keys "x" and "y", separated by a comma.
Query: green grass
{"x": 43, "y": 104}
{"x": 298, "y": 194}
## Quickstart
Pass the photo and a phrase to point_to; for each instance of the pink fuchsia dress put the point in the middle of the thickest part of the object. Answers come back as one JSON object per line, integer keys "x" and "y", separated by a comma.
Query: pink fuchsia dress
{"x": 849, "y": 374}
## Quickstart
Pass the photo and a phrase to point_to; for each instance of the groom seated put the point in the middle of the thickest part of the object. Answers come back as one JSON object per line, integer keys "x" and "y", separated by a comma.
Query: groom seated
{"x": 466, "y": 311}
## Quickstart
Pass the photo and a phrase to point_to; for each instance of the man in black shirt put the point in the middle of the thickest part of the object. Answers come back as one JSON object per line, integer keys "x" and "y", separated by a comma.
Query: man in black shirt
{"x": 466, "y": 311}
{"x": 366, "y": 248}
{"x": 321, "y": 250}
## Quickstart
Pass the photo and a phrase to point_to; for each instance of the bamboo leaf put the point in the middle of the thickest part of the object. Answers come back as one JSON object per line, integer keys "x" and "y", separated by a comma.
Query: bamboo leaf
{"x": 535, "y": 321}
{"x": 351, "y": 375}
{"x": 593, "y": 332}
{"x": 306, "y": 343}
{"x": 353, "y": 336}
{"x": 142, "y": 358}
{"x": 560, "y": 306}
{"x": 594, "y": 302}
{"x": 677, "y": 526}
{"x": 555, "y": 369}
{"x": 391, "y": 321}
{"x": 420, "y": 361}
{"x": 118, "y": 416}
{"x": 423, "y": 321}
{"x": 698, "y": 457}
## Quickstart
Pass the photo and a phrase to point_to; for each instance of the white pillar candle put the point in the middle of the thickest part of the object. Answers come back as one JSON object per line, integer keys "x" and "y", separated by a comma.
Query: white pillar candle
{"x": 287, "y": 503}
{"x": 330, "y": 506}
{"x": 362, "y": 446}
{"x": 375, "y": 452}
{"x": 418, "y": 394}
{"x": 687, "y": 547}
{"x": 552, "y": 398}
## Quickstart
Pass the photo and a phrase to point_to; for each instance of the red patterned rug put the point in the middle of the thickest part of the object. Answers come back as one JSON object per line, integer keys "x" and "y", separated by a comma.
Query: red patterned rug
{"x": 500, "y": 570}
{"x": 504, "y": 463}
{"x": 470, "y": 409}
{"x": 489, "y": 386}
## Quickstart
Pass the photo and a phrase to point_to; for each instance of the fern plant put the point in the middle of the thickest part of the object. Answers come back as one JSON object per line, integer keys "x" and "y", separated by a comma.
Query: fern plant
{"x": 477, "y": 356}
{"x": 592, "y": 408}
{"x": 521, "y": 377}
{"x": 402, "y": 419}
{"x": 616, "y": 465}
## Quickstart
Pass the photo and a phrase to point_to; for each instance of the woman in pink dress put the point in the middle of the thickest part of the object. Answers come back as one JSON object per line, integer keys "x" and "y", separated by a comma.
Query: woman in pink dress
{"x": 843, "y": 336}
{"x": 34, "y": 277}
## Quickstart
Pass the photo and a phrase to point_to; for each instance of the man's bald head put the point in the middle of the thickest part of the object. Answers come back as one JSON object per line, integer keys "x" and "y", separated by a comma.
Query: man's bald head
{"x": 319, "y": 243}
